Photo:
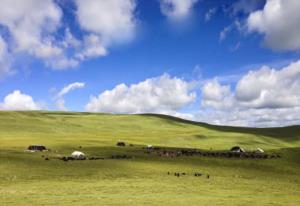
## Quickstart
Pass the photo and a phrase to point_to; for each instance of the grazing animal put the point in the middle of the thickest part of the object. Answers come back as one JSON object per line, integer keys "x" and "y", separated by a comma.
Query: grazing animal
{"x": 197, "y": 174}
{"x": 121, "y": 144}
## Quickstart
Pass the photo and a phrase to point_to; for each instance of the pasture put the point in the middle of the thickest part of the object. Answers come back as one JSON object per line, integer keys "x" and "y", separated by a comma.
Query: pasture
{"x": 28, "y": 179}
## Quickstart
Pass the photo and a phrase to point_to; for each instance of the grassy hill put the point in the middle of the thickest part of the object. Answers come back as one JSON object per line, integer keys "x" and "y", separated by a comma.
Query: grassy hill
{"x": 27, "y": 179}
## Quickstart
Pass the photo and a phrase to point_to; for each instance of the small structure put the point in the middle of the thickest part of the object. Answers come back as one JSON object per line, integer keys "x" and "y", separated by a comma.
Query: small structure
{"x": 35, "y": 148}
{"x": 237, "y": 149}
{"x": 259, "y": 150}
{"x": 121, "y": 144}
{"x": 78, "y": 155}
{"x": 149, "y": 146}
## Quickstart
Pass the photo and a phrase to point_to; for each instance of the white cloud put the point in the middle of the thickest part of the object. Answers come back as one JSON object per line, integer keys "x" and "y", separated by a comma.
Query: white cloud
{"x": 209, "y": 14}
{"x": 92, "y": 47}
{"x": 19, "y": 101}
{"x": 33, "y": 27}
{"x": 279, "y": 22}
{"x": 270, "y": 88}
{"x": 5, "y": 59}
{"x": 159, "y": 95}
{"x": 60, "y": 102}
{"x": 236, "y": 25}
{"x": 251, "y": 117}
{"x": 246, "y": 6}
{"x": 112, "y": 20}
{"x": 264, "y": 97}
{"x": 31, "y": 23}
{"x": 177, "y": 9}
{"x": 216, "y": 95}
{"x": 224, "y": 33}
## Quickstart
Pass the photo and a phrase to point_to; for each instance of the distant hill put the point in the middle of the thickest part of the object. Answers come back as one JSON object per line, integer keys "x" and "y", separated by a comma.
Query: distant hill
{"x": 141, "y": 128}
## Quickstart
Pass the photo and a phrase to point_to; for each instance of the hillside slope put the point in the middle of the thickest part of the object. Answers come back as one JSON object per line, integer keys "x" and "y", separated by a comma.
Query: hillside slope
{"x": 28, "y": 179}
{"x": 100, "y": 129}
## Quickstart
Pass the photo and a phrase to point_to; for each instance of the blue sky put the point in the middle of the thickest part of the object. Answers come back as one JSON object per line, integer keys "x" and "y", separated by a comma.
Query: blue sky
{"x": 194, "y": 59}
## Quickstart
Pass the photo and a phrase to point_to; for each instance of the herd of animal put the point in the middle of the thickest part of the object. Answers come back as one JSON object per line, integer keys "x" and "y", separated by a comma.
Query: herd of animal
{"x": 196, "y": 174}
{"x": 163, "y": 152}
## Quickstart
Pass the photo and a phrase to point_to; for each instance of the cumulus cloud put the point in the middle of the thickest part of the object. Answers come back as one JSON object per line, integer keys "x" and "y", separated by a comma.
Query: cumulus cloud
{"x": 156, "y": 95}
{"x": 92, "y": 47}
{"x": 216, "y": 95}
{"x": 113, "y": 20}
{"x": 30, "y": 24}
{"x": 19, "y": 101}
{"x": 269, "y": 88}
{"x": 263, "y": 97}
{"x": 177, "y": 9}
{"x": 279, "y": 22}
{"x": 60, "y": 101}
{"x": 35, "y": 28}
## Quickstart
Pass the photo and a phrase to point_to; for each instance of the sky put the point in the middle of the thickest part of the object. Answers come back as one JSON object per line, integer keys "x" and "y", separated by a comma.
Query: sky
{"x": 227, "y": 62}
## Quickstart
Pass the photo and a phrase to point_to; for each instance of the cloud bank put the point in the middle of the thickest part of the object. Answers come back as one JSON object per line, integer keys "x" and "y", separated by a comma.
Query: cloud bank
{"x": 156, "y": 95}
{"x": 263, "y": 97}
{"x": 36, "y": 28}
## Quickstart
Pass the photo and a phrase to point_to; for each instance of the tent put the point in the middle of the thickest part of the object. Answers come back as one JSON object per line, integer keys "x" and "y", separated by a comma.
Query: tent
{"x": 34, "y": 148}
{"x": 78, "y": 155}
{"x": 237, "y": 149}
{"x": 149, "y": 146}
{"x": 259, "y": 150}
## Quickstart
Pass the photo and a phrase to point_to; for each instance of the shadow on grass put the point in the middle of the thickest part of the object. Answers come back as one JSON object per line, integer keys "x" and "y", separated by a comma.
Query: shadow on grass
{"x": 290, "y": 133}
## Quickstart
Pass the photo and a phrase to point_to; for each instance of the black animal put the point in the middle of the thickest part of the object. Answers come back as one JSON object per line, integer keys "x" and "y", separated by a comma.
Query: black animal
{"x": 197, "y": 174}
{"x": 121, "y": 144}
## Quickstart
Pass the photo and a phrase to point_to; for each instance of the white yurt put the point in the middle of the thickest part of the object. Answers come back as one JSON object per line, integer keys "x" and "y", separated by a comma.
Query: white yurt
{"x": 78, "y": 155}
{"x": 149, "y": 146}
{"x": 259, "y": 150}
{"x": 237, "y": 149}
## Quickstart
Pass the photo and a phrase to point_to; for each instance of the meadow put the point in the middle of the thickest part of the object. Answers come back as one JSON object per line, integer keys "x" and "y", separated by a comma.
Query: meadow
{"x": 28, "y": 179}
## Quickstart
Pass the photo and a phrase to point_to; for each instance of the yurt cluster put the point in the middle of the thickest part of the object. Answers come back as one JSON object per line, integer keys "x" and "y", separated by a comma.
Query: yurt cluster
{"x": 167, "y": 152}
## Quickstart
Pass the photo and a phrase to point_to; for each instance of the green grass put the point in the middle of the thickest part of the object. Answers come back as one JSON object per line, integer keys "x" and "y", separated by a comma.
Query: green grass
{"x": 27, "y": 179}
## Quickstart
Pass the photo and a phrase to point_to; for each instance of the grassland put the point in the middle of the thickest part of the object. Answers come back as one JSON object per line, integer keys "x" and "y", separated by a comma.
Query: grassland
{"x": 27, "y": 179}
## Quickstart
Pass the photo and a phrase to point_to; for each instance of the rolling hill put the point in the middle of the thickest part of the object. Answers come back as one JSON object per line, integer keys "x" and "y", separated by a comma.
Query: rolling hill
{"x": 27, "y": 179}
